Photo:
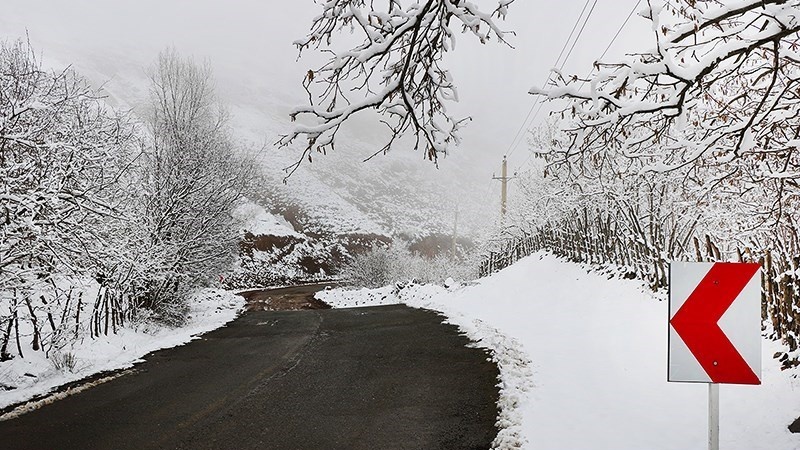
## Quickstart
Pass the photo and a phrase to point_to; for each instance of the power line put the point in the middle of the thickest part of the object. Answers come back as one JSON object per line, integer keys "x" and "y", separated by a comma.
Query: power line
{"x": 630, "y": 14}
{"x": 511, "y": 146}
{"x": 616, "y": 35}
{"x": 613, "y": 39}
{"x": 574, "y": 26}
{"x": 579, "y": 35}
{"x": 560, "y": 68}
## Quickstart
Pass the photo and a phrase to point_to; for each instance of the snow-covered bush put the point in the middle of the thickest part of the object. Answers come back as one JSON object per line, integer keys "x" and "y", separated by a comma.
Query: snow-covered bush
{"x": 64, "y": 362}
{"x": 62, "y": 155}
{"x": 189, "y": 178}
{"x": 384, "y": 265}
{"x": 369, "y": 269}
{"x": 103, "y": 220}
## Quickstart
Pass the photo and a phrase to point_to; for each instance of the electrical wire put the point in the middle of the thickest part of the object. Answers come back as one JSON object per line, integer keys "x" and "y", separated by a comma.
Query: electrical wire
{"x": 563, "y": 63}
{"x": 511, "y": 146}
{"x": 619, "y": 30}
{"x": 560, "y": 68}
{"x": 630, "y": 14}
{"x": 608, "y": 47}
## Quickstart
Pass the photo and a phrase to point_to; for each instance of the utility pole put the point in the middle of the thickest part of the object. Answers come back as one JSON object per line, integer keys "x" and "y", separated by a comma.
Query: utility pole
{"x": 504, "y": 189}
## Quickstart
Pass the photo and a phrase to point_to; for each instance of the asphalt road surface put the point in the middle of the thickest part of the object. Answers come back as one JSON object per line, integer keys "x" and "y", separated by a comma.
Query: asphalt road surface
{"x": 388, "y": 377}
{"x": 290, "y": 298}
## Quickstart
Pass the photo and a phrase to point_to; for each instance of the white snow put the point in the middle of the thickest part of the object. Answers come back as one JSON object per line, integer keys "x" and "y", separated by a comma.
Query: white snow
{"x": 259, "y": 221}
{"x": 583, "y": 363}
{"x": 36, "y": 375}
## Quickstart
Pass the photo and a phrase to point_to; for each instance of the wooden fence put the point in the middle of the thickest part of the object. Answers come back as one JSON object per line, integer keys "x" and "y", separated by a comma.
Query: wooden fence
{"x": 50, "y": 323}
{"x": 638, "y": 257}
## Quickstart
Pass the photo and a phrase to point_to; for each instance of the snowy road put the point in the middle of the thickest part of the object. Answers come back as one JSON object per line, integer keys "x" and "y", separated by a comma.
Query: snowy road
{"x": 387, "y": 377}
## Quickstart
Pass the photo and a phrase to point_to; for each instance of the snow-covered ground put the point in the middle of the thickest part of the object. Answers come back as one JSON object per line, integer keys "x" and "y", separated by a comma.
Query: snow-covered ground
{"x": 35, "y": 374}
{"x": 257, "y": 220}
{"x": 583, "y": 363}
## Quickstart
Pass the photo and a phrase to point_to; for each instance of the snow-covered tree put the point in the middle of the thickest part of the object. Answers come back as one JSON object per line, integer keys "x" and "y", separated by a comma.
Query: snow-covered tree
{"x": 189, "y": 178}
{"x": 717, "y": 96}
{"x": 103, "y": 219}
{"x": 61, "y": 154}
{"x": 394, "y": 67}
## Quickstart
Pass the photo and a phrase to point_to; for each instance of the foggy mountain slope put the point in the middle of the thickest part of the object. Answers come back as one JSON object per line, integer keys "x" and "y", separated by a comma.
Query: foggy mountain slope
{"x": 249, "y": 45}
{"x": 399, "y": 193}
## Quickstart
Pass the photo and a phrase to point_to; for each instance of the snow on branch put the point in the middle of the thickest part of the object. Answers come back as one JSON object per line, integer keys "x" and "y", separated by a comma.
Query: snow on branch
{"x": 720, "y": 89}
{"x": 395, "y": 69}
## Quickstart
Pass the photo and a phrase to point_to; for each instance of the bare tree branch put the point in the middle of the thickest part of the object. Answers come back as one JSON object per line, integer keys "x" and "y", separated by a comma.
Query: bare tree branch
{"x": 395, "y": 70}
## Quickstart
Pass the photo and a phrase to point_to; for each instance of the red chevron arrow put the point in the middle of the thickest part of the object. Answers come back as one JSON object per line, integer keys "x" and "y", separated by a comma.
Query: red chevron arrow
{"x": 696, "y": 323}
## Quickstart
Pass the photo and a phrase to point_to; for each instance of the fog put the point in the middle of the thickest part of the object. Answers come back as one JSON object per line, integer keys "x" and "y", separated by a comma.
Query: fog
{"x": 249, "y": 45}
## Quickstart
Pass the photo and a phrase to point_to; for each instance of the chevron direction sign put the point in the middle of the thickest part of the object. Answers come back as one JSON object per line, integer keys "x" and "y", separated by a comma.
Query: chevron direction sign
{"x": 714, "y": 323}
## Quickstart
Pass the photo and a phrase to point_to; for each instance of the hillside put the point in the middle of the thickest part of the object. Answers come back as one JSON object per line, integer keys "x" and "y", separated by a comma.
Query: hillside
{"x": 336, "y": 194}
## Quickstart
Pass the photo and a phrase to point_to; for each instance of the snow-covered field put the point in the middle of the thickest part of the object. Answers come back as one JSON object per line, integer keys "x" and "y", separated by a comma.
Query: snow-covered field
{"x": 35, "y": 374}
{"x": 583, "y": 363}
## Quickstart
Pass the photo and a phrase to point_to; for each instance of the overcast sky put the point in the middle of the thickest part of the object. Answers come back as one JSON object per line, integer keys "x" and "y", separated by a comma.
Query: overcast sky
{"x": 248, "y": 43}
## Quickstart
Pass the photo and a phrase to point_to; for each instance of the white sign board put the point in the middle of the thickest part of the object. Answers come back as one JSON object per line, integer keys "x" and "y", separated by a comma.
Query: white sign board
{"x": 714, "y": 323}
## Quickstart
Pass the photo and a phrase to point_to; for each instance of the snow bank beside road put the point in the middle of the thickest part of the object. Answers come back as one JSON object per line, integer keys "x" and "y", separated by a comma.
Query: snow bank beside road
{"x": 507, "y": 353}
{"x": 597, "y": 372}
{"x": 36, "y": 375}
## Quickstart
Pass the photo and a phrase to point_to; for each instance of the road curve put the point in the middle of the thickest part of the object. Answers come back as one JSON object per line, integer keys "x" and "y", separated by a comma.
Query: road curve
{"x": 290, "y": 298}
{"x": 388, "y": 377}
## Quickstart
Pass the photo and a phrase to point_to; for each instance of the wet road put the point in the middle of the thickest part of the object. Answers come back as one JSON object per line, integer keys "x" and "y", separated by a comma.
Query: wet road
{"x": 290, "y": 298}
{"x": 388, "y": 377}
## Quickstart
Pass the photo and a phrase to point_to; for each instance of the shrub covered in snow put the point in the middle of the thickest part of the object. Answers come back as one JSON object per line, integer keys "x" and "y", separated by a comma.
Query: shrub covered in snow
{"x": 384, "y": 265}
{"x": 107, "y": 220}
{"x": 269, "y": 260}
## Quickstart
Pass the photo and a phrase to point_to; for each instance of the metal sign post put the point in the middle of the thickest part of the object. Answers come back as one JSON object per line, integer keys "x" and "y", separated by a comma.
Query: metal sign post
{"x": 713, "y": 416}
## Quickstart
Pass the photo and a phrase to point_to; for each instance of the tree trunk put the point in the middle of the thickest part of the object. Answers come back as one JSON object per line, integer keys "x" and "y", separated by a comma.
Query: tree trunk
{"x": 34, "y": 322}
